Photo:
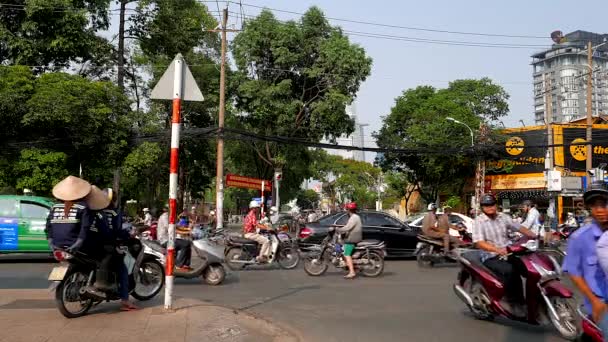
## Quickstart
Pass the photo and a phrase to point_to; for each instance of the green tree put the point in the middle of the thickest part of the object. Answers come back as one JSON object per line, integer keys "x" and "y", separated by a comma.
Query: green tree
{"x": 293, "y": 79}
{"x": 39, "y": 170}
{"x": 51, "y": 33}
{"x": 418, "y": 121}
{"x": 307, "y": 199}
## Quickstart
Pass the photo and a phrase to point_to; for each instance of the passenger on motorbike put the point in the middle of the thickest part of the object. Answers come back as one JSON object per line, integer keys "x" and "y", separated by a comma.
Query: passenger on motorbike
{"x": 250, "y": 227}
{"x": 490, "y": 233}
{"x": 353, "y": 231}
{"x": 183, "y": 248}
{"x": 68, "y": 222}
{"x": 581, "y": 261}
{"x": 109, "y": 220}
{"x": 431, "y": 229}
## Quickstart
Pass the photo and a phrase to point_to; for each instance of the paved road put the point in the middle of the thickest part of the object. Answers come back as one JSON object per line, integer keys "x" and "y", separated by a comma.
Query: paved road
{"x": 407, "y": 303}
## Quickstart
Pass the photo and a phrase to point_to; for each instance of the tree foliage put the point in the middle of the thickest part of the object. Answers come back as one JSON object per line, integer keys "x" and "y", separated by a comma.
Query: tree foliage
{"x": 51, "y": 32}
{"x": 418, "y": 119}
{"x": 39, "y": 170}
{"x": 293, "y": 79}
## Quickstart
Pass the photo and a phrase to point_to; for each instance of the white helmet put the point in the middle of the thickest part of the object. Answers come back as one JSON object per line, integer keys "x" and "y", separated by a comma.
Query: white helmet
{"x": 432, "y": 206}
{"x": 212, "y": 212}
{"x": 146, "y": 210}
{"x": 254, "y": 204}
{"x": 273, "y": 209}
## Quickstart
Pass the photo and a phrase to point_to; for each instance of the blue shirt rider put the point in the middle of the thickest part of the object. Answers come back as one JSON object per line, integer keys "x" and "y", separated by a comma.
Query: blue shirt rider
{"x": 581, "y": 261}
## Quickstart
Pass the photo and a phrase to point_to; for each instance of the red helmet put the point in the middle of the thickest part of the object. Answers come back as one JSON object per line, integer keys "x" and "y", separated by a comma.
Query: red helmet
{"x": 351, "y": 206}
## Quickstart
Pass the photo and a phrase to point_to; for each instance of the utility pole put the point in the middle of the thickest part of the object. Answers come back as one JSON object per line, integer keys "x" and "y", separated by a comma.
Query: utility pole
{"x": 549, "y": 116}
{"x": 120, "y": 77}
{"x": 589, "y": 164}
{"x": 219, "y": 179}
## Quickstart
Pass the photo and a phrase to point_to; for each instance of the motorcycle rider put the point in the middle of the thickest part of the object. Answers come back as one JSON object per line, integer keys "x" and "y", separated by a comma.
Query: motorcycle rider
{"x": 490, "y": 233}
{"x": 147, "y": 217}
{"x": 354, "y": 234}
{"x": 581, "y": 261}
{"x": 443, "y": 228}
{"x": 250, "y": 227}
{"x": 571, "y": 221}
{"x": 430, "y": 227}
{"x": 69, "y": 222}
{"x": 532, "y": 220}
{"x": 109, "y": 220}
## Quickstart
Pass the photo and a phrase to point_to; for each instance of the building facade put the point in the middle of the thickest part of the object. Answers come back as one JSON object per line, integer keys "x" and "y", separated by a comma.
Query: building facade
{"x": 560, "y": 78}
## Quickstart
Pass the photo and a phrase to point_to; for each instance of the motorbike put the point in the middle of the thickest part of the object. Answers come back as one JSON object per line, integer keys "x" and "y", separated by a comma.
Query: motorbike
{"x": 547, "y": 299}
{"x": 76, "y": 273}
{"x": 368, "y": 257}
{"x": 430, "y": 250}
{"x": 241, "y": 252}
{"x": 209, "y": 249}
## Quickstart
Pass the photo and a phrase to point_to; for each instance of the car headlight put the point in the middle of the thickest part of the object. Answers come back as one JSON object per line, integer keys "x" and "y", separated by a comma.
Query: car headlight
{"x": 544, "y": 273}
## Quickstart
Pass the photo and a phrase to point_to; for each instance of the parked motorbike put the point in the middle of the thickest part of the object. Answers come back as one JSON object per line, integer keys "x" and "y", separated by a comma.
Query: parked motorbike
{"x": 368, "y": 257}
{"x": 210, "y": 250}
{"x": 547, "y": 299}
{"x": 430, "y": 251}
{"x": 77, "y": 272}
{"x": 241, "y": 252}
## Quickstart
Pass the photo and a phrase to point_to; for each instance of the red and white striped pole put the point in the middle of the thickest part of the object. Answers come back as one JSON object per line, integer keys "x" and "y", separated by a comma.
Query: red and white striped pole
{"x": 175, "y": 130}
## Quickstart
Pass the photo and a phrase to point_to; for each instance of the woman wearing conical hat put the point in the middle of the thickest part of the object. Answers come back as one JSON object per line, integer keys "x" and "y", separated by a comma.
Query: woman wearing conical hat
{"x": 70, "y": 220}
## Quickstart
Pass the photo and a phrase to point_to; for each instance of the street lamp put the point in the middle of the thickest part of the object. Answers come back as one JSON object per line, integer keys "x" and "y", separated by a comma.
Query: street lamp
{"x": 467, "y": 126}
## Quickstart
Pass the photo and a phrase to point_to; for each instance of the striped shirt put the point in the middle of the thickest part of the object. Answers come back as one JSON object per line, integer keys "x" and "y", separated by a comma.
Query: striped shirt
{"x": 494, "y": 231}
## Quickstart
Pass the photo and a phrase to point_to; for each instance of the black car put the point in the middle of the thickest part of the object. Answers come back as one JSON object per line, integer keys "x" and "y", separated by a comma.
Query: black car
{"x": 400, "y": 238}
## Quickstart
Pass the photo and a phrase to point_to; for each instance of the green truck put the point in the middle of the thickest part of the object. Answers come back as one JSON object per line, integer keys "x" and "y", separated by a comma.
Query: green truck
{"x": 22, "y": 223}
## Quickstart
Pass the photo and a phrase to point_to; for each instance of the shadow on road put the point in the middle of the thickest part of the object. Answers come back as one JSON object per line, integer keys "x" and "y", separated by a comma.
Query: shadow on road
{"x": 291, "y": 291}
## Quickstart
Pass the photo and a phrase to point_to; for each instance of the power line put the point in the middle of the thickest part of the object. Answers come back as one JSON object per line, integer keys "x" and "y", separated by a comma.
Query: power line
{"x": 406, "y": 27}
{"x": 437, "y": 41}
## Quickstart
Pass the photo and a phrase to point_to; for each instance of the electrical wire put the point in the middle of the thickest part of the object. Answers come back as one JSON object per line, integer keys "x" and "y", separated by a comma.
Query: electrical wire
{"x": 407, "y": 27}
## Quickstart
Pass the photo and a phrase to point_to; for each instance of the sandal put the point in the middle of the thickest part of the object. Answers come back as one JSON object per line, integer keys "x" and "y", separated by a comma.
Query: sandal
{"x": 350, "y": 276}
{"x": 128, "y": 307}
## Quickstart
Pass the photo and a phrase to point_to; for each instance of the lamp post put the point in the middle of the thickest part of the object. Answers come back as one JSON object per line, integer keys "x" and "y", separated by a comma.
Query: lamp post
{"x": 467, "y": 126}
{"x": 478, "y": 171}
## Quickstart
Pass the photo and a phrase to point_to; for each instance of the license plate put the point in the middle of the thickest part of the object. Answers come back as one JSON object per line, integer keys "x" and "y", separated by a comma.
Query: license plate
{"x": 58, "y": 273}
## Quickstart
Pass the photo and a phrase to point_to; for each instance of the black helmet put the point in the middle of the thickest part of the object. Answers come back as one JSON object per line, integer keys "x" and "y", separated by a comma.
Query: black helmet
{"x": 597, "y": 189}
{"x": 487, "y": 200}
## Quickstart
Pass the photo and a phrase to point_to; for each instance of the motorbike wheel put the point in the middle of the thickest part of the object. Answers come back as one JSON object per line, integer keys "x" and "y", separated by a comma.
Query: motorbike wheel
{"x": 569, "y": 324}
{"x": 149, "y": 280}
{"x": 235, "y": 254}
{"x": 480, "y": 300}
{"x": 375, "y": 266}
{"x": 214, "y": 275}
{"x": 315, "y": 265}
{"x": 68, "y": 295}
{"x": 289, "y": 258}
{"x": 423, "y": 257}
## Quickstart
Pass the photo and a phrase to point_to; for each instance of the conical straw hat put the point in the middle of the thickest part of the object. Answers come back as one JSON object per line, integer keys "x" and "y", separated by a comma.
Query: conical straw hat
{"x": 98, "y": 199}
{"x": 71, "y": 189}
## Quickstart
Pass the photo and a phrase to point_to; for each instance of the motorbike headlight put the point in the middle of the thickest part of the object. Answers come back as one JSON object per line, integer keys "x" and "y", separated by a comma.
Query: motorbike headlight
{"x": 544, "y": 273}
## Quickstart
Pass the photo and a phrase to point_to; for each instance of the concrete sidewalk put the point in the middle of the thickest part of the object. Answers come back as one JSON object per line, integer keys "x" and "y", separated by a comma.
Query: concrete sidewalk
{"x": 31, "y": 316}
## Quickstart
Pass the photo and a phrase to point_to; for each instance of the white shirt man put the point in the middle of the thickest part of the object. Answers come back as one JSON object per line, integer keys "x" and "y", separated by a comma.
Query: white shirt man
{"x": 162, "y": 229}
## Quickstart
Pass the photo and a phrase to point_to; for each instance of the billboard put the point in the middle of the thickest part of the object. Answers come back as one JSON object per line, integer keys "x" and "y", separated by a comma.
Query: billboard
{"x": 575, "y": 154}
{"x": 522, "y": 152}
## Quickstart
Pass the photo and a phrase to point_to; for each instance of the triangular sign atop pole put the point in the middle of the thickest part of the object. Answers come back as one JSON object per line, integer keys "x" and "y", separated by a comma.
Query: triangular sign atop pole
{"x": 165, "y": 86}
